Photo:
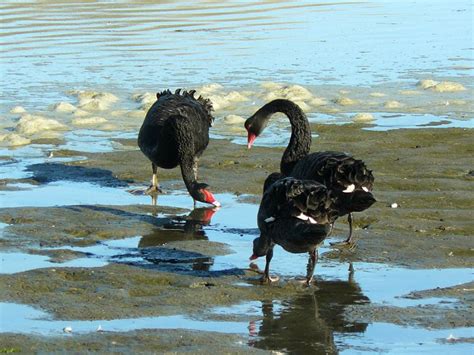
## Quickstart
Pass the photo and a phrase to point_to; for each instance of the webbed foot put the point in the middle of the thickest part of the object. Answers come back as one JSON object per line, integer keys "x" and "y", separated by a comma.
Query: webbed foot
{"x": 350, "y": 245}
{"x": 154, "y": 189}
{"x": 269, "y": 279}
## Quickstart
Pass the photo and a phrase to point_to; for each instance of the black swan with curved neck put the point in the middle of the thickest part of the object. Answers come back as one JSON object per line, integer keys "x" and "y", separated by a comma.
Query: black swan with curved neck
{"x": 295, "y": 214}
{"x": 176, "y": 132}
{"x": 348, "y": 179}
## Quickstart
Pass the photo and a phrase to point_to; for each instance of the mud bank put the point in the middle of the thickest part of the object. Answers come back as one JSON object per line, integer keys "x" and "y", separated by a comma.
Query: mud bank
{"x": 154, "y": 262}
{"x": 426, "y": 172}
{"x": 146, "y": 341}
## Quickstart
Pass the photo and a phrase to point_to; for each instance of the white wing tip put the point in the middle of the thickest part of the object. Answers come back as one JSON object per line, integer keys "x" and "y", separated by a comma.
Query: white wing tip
{"x": 349, "y": 189}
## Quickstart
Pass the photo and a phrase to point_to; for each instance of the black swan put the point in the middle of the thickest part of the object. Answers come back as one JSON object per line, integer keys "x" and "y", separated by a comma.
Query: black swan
{"x": 295, "y": 214}
{"x": 348, "y": 179}
{"x": 176, "y": 132}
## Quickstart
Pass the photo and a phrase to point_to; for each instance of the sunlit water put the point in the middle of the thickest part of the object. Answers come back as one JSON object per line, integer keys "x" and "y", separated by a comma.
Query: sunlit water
{"x": 274, "y": 324}
{"x": 314, "y": 53}
{"x": 241, "y": 54}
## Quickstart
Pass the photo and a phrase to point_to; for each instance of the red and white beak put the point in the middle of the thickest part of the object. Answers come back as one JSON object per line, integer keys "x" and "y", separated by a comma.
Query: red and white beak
{"x": 250, "y": 139}
{"x": 211, "y": 199}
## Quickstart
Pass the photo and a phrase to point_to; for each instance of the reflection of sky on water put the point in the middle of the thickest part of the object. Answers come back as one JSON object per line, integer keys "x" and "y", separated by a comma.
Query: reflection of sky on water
{"x": 233, "y": 224}
{"x": 273, "y": 321}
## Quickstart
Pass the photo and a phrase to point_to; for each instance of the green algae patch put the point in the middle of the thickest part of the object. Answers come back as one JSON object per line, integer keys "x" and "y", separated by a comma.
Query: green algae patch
{"x": 79, "y": 225}
{"x": 143, "y": 341}
{"x": 123, "y": 291}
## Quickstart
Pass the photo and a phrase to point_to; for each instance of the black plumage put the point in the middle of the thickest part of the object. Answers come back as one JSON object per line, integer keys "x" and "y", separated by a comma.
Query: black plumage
{"x": 348, "y": 179}
{"x": 295, "y": 214}
{"x": 176, "y": 132}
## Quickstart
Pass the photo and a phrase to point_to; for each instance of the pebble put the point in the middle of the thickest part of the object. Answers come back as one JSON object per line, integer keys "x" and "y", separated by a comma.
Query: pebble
{"x": 67, "y": 329}
{"x": 394, "y": 205}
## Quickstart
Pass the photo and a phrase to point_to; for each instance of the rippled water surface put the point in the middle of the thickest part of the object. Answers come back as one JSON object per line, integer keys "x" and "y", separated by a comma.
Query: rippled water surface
{"x": 49, "y": 47}
{"x": 73, "y": 66}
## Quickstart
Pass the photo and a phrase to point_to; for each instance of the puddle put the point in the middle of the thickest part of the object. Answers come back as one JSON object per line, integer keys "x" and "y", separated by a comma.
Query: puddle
{"x": 67, "y": 193}
{"x": 233, "y": 224}
{"x": 11, "y": 262}
{"x": 15, "y": 166}
{"x": 394, "y": 339}
{"x": 274, "y": 324}
{"x": 94, "y": 141}
{"x": 386, "y": 122}
{"x": 28, "y": 320}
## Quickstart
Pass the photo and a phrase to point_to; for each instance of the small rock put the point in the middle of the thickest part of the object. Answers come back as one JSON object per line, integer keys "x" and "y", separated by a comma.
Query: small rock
{"x": 18, "y": 109}
{"x": 451, "y": 338}
{"x": 363, "y": 117}
{"x": 394, "y": 205}
{"x": 392, "y": 104}
{"x": 67, "y": 329}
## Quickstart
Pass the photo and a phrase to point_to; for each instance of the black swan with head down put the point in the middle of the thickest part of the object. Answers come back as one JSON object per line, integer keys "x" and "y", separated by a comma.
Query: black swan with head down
{"x": 348, "y": 179}
{"x": 295, "y": 214}
{"x": 176, "y": 132}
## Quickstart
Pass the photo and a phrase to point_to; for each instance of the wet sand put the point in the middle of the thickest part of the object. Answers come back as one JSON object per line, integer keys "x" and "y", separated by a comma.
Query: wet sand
{"x": 427, "y": 172}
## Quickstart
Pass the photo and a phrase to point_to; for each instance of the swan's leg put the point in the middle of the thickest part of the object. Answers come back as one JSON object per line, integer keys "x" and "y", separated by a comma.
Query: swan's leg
{"x": 313, "y": 259}
{"x": 349, "y": 238}
{"x": 195, "y": 167}
{"x": 349, "y": 242}
{"x": 266, "y": 274}
{"x": 155, "y": 187}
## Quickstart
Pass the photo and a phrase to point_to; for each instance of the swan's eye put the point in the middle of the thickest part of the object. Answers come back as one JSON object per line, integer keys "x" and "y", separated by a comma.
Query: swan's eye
{"x": 365, "y": 189}
{"x": 349, "y": 189}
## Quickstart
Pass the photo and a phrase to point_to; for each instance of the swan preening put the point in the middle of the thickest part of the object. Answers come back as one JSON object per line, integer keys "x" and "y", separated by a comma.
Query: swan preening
{"x": 347, "y": 180}
{"x": 176, "y": 132}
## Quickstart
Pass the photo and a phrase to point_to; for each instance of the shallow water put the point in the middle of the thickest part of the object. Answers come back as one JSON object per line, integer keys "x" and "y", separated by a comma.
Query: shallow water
{"x": 277, "y": 324}
{"x": 143, "y": 44}
{"x": 370, "y": 62}
{"x": 336, "y": 60}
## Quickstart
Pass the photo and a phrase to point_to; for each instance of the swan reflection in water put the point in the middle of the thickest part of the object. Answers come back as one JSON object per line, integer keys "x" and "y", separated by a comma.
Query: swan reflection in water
{"x": 306, "y": 324}
{"x": 153, "y": 247}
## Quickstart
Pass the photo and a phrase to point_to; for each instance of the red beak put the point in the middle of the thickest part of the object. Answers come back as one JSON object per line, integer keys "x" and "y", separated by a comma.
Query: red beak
{"x": 253, "y": 257}
{"x": 210, "y": 198}
{"x": 250, "y": 139}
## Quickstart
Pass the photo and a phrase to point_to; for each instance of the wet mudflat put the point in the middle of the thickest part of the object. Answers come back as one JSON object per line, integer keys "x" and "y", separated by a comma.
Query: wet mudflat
{"x": 80, "y": 252}
{"x": 87, "y": 266}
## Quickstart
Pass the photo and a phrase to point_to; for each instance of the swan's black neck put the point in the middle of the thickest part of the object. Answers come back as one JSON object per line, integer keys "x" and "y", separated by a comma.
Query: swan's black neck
{"x": 300, "y": 141}
{"x": 192, "y": 185}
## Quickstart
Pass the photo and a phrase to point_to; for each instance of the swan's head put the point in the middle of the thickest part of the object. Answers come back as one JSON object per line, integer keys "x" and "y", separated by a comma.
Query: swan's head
{"x": 261, "y": 245}
{"x": 200, "y": 192}
{"x": 255, "y": 125}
